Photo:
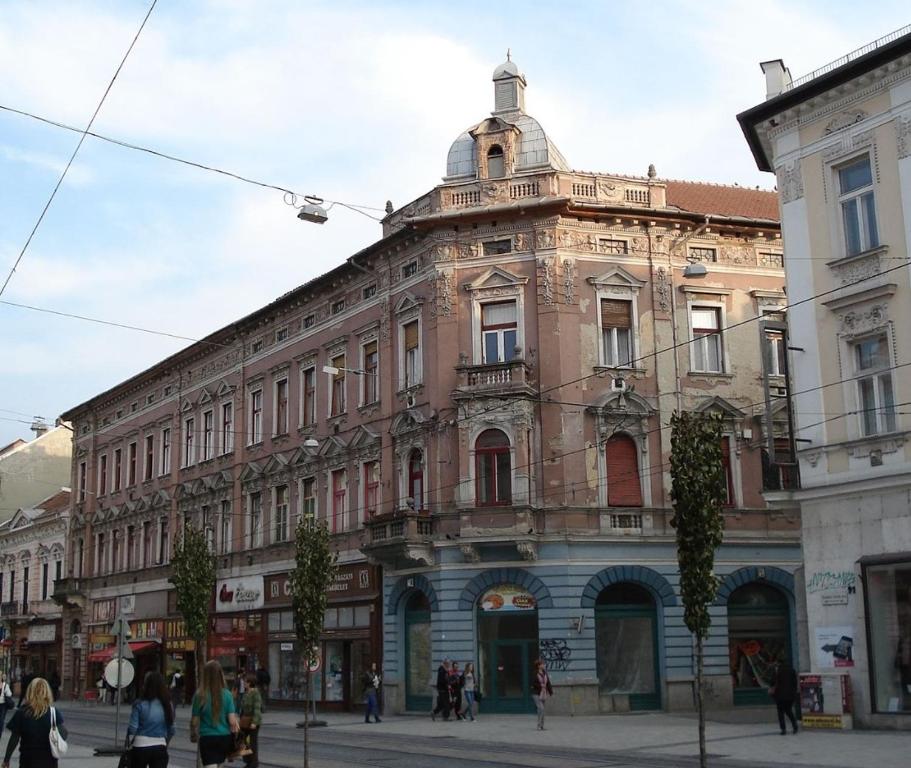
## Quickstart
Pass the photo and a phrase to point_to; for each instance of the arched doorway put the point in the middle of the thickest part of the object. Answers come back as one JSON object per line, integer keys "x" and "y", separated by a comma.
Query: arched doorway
{"x": 507, "y": 647}
{"x": 418, "y": 653}
{"x": 626, "y": 645}
{"x": 759, "y": 634}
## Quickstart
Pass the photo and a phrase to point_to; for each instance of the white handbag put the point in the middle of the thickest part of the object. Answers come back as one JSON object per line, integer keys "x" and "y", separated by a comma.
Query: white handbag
{"x": 58, "y": 743}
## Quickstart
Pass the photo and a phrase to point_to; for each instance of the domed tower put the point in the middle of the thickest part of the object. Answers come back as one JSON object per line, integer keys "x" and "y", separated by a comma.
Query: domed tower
{"x": 509, "y": 142}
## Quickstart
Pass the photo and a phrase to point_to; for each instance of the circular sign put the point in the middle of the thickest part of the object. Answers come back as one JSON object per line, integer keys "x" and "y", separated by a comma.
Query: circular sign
{"x": 111, "y": 673}
{"x": 316, "y": 662}
{"x": 507, "y": 597}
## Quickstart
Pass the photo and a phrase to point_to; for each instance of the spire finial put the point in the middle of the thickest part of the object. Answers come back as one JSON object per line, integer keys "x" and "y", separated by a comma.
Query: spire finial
{"x": 508, "y": 54}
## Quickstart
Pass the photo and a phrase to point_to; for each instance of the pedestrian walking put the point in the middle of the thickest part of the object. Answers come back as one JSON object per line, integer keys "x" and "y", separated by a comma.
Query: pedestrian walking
{"x": 455, "y": 689}
{"x": 372, "y": 680}
{"x": 784, "y": 692}
{"x": 177, "y": 685}
{"x": 251, "y": 720}
{"x": 263, "y": 681}
{"x": 30, "y": 728}
{"x": 54, "y": 682}
{"x": 24, "y": 683}
{"x": 543, "y": 690}
{"x": 151, "y": 726}
{"x": 468, "y": 687}
{"x": 213, "y": 720}
{"x": 443, "y": 696}
{"x": 6, "y": 701}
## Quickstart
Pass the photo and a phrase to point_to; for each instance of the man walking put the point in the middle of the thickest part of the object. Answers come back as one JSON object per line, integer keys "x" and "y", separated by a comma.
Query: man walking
{"x": 372, "y": 681}
{"x": 784, "y": 691}
{"x": 443, "y": 702}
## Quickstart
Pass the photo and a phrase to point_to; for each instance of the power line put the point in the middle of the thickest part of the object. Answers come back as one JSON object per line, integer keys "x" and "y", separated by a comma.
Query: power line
{"x": 47, "y": 205}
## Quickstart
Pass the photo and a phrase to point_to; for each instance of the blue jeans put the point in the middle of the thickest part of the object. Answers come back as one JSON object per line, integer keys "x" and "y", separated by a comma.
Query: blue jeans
{"x": 373, "y": 707}
{"x": 469, "y": 704}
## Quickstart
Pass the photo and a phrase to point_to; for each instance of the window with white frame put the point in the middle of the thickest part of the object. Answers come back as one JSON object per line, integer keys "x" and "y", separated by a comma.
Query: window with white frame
{"x": 225, "y": 528}
{"x": 132, "y": 461}
{"x": 254, "y": 519}
{"x": 857, "y": 204}
{"x": 308, "y": 397}
{"x": 280, "y": 393}
{"x": 707, "y": 354}
{"x": 339, "y": 500}
{"x": 102, "y": 474}
{"x": 281, "y": 513}
{"x": 370, "y": 391}
{"x": 256, "y": 416}
{"x": 165, "y": 451}
{"x": 208, "y": 435}
{"x": 117, "y": 475}
{"x": 411, "y": 354}
{"x": 164, "y": 541}
{"x": 337, "y": 395}
{"x": 115, "y": 551}
{"x": 775, "y": 351}
{"x": 616, "y": 332}
{"x": 147, "y": 544}
{"x": 227, "y": 427}
{"x": 148, "y": 467}
{"x": 499, "y": 331}
{"x": 308, "y": 498}
{"x": 189, "y": 438}
{"x": 371, "y": 501}
{"x": 875, "y": 393}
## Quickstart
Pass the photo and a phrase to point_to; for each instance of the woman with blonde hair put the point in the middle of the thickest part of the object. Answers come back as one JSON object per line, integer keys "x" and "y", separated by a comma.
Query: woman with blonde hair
{"x": 30, "y": 728}
{"x": 214, "y": 719}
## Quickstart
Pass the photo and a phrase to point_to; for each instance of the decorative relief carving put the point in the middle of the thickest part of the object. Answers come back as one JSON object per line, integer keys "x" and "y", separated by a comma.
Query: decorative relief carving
{"x": 662, "y": 290}
{"x": 546, "y": 280}
{"x": 520, "y": 242}
{"x": 384, "y": 319}
{"x": 569, "y": 282}
{"x": 495, "y": 193}
{"x": 790, "y": 182}
{"x": 903, "y": 135}
{"x": 845, "y": 119}
{"x": 470, "y": 553}
{"x": 528, "y": 550}
{"x": 858, "y": 269}
{"x": 441, "y": 297}
{"x": 864, "y": 320}
{"x": 609, "y": 190}
{"x": 544, "y": 238}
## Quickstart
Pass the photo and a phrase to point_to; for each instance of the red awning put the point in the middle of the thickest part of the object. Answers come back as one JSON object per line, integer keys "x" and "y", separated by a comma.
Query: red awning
{"x": 136, "y": 646}
{"x": 101, "y": 657}
{"x": 143, "y": 646}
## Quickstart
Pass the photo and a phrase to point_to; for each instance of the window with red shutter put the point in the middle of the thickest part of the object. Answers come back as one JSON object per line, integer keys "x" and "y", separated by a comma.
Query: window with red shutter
{"x": 624, "y": 488}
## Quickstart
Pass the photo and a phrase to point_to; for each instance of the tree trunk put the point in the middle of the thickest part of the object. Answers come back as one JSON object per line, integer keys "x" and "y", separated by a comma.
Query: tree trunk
{"x": 307, "y": 721}
{"x": 700, "y": 704}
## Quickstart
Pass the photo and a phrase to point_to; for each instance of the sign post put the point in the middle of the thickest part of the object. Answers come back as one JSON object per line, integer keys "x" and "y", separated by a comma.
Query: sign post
{"x": 313, "y": 667}
{"x": 118, "y": 674}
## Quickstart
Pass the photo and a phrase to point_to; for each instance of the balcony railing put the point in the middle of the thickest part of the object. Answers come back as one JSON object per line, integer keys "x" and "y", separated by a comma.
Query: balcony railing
{"x": 496, "y": 378}
{"x": 13, "y": 608}
{"x": 400, "y": 536}
{"x": 69, "y": 591}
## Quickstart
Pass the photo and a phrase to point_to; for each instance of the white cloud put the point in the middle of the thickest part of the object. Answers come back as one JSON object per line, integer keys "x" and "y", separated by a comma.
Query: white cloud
{"x": 78, "y": 174}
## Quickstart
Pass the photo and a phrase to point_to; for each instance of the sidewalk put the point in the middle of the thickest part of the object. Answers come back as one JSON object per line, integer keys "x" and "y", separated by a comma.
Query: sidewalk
{"x": 755, "y": 737}
{"x": 79, "y": 757}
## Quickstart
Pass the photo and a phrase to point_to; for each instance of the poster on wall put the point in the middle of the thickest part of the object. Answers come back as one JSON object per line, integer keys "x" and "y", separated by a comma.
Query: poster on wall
{"x": 508, "y": 597}
{"x": 834, "y": 647}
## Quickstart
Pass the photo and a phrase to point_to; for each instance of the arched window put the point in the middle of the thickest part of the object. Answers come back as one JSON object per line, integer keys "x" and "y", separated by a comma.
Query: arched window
{"x": 624, "y": 488}
{"x": 496, "y": 167}
{"x": 416, "y": 478}
{"x": 493, "y": 470}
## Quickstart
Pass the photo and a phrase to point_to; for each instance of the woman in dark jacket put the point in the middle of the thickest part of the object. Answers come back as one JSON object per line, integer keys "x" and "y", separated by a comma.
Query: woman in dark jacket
{"x": 542, "y": 690}
{"x": 151, "y": 724}
{"x": 784, "y": 691}
{"x": 30, "y": 728}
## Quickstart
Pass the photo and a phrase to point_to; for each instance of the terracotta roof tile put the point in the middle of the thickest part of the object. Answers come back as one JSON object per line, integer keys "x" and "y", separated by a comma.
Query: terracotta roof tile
{"x": 723, "y": 200}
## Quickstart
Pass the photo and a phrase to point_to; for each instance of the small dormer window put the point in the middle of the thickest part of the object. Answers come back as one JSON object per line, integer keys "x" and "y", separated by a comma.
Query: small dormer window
{"x": 496, "y": 167}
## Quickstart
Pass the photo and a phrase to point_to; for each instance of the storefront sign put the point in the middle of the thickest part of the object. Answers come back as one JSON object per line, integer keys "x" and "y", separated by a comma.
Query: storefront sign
{"x": 128, "y": 605}
{"x": 508, "y": 597}
{"x": 42, "y": 633}
{"x": 101, "y": 638}
{"x": 104, "y": 610}
{"x": 179, "y": 645}
{"x": 834, "y": 647}
{"x": 146, "y": 630}
{"x": 287, "y": 646}
{"x": 239, "y": 594}
{"x": 349, "y": 581}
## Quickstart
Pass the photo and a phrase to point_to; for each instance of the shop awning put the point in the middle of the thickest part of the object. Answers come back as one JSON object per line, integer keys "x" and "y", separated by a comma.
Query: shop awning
{"x": 136, "y": 646}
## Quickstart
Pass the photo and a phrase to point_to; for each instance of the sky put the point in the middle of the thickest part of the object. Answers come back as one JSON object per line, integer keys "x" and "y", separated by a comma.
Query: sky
{"x": 350, "y": 101}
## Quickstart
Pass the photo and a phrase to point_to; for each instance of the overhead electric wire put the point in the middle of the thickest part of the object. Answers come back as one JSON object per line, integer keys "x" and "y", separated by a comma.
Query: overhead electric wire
{"x": 84, "y": 133}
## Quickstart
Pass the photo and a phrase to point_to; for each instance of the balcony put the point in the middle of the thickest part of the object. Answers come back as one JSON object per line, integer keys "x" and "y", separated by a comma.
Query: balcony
{"x": 43, "y": 608}
{"x": 399, "y": 539}
{"x": 510, "y": 378}
{"x": 70, "y": 592}
{"x": 13, "y": 608}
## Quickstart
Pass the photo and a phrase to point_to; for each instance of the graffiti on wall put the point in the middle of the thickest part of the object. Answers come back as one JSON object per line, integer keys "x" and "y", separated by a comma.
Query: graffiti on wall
{"x": 823, "y": 580}
{"x": 555, "y": 653}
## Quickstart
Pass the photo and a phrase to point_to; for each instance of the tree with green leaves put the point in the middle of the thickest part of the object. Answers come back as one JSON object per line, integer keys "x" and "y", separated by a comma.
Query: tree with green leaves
{"x": 698, "y": 489}
{"x": 193, "y": 576}
{"x": 310, "y": 580}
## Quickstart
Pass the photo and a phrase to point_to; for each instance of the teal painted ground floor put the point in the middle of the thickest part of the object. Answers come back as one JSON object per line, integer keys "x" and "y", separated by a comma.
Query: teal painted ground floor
{"x": 609, "y": 628}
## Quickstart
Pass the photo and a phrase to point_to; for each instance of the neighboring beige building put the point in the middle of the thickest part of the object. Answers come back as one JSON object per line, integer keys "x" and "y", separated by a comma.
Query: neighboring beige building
{"x": 839, "y": 141}
{"x": 30, "y": 471}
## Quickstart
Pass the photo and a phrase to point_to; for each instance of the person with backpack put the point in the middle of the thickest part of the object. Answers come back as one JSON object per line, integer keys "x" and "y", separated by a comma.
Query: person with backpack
{"x": 151, "y": 725}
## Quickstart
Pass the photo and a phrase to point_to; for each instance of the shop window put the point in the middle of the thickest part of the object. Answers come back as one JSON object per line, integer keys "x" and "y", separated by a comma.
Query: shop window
{"x": 875, "y": 394}
{"x": 858, "y": 208}
{"x": 758, "y": 637}
{"x": 706, "y": 347}
{"x": 616, "y": 332}
{"x": 416, "y": 479}
{"x": 499, "y": 329}
{"x": 493, "y": 470}
{"x": 624, "y": 488}
{"x": 888, "y": 597}
{"x": 496, "y": 165}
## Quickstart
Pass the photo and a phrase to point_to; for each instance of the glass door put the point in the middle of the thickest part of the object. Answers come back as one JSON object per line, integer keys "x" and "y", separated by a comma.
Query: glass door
{"x": 419, "y": 670}
{"x": 510, "y": 683}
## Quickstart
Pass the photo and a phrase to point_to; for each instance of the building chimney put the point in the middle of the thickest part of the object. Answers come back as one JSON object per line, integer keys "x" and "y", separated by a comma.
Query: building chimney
{"x": 777, "y": 77}
{"x": 39, "y": 427}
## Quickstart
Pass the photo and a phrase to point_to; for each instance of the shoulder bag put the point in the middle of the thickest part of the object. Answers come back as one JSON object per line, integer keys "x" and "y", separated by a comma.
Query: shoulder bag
{"x": 58, "y": 743}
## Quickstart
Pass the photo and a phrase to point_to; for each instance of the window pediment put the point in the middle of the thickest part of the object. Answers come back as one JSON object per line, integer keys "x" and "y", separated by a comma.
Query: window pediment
{"x": 719, "y": 405}
{"x": 617, "y": 278}
{"x": 407, "y": 303}
{"x": 253, "y": 471}
{"x": 496, "y": 278}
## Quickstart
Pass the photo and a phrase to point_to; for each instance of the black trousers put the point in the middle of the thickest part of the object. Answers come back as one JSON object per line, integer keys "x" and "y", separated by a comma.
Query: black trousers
{"x": 252, "y": 735}
{"x": 786, "y": 708}
{"x": 442, "y": 703}
{"x": 149, "y": 757}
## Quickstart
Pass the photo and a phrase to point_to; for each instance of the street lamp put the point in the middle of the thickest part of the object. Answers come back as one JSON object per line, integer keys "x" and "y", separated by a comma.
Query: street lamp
{"x": 695, "y": 269}
{"x": 312, "y": 210}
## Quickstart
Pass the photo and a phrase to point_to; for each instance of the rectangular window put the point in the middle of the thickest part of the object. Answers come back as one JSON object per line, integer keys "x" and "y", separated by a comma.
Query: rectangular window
{"x": 165, "y": 451}
{"x": 412, "y": 353}
{"x": 208, "y": 435}
{"x": 131, "y": 546}
{"x": 704, "y": 254}
{"x": 132, "y": 461}
{"x": 102, "y": 474}
{"x": 370, "y": 378}
{"x": 371, "y": 489}
{"x": 608, "y": 245}
{"x": 118, "y": 470}
{"x": 281, "y": 513}
{"x": 309, "y": 321}
{"x": 148, "y": 467}
{"x": 498, "y": 331}
{"x": 308, "y": 498}
{"x": 189, "y": 445}
{"x": 255, "y": 519}
{"x": 494, "y": 247}
{"x": 339, "y": 500}
{"x": 256, "y": 346}
{"x": 706, "y": 325}
{"x": 616, "y": 332}
{"x": 225, "y": 528}
{"x": 775, "y": 353}
{"x": 58, "y": 570}
{"x": 147, "y": 544}
{"x": 308, "y": 397}
{"x": 876, "y": 396}
{"x": 729, "y": 497}
{"x": 256, "y": 416}
{"x": 115, "y": 551}
{"x": 83, "y": 473}
{"x": 208, "y": 528}
{"x": 338, "y": 306}
{"x": 164, "y": 541}
{"x": 888, "y": 597}
{"x": 227, "y": 427}
{"x": 25, "y": 589}
{"x": 280, "y": 391}
{"x": 858, "y": 208}
{"x": 45, "y": 567}
{"x": 369, "y": 291}
{"x": 281, "y": 334}
{"x": 12, "y": 586}
{"x": 409, "y": 270}
{"x": 337, "y": 404}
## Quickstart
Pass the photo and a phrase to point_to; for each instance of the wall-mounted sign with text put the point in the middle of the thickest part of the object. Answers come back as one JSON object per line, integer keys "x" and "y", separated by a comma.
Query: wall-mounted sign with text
{"x": 239, "y": 594}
